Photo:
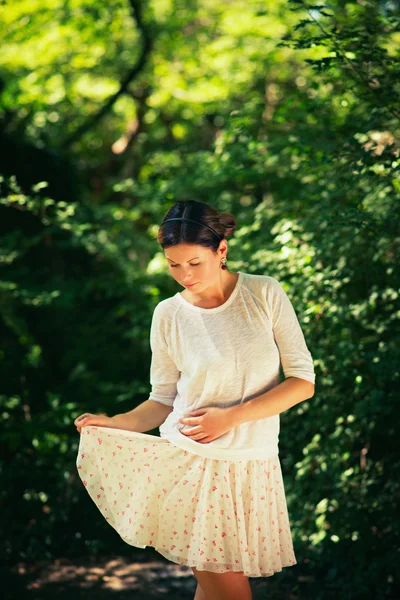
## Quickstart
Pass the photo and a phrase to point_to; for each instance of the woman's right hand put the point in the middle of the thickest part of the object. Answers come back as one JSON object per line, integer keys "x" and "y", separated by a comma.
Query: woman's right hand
{"x": 90, "y": 419}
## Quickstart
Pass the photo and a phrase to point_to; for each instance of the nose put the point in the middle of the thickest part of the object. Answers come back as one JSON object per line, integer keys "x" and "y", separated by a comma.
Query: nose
{"x": 188, "y": 281}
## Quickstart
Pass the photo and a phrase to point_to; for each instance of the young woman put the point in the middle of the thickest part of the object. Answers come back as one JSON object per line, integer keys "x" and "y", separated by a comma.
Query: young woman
{"x": 208, "y": 493}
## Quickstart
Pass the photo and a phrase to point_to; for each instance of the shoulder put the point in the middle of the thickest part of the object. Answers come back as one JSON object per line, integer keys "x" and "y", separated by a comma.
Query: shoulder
{"x": 165, "y": 310}
{"x": 267, "y": 292}
{"x": 264, "y": 284}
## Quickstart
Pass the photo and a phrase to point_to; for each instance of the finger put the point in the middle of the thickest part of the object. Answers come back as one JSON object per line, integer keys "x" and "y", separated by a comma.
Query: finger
{"x": 202, "y": 438}
{"x": 191, "y": 431}
{"x": 81, "y": 417}
{"x": 190, "y": 420}
{"x": 197, "y": 436}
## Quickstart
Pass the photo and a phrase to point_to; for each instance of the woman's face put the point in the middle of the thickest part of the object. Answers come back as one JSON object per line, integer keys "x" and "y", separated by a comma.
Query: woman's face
{"x": 193, "y": 264}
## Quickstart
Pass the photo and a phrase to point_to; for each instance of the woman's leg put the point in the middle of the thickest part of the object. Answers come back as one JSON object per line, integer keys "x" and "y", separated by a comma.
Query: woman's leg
{"x": 224, "y": 586}
{"x": 200, "y": 595}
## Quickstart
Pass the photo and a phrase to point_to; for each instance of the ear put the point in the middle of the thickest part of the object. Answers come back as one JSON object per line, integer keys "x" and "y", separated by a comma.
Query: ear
{"x": 223, "y": 248}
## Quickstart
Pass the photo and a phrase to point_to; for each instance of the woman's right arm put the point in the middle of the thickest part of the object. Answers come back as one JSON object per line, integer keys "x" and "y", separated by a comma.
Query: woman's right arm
{"x": 148, "y": 415}
{"x": 164, "y": 375}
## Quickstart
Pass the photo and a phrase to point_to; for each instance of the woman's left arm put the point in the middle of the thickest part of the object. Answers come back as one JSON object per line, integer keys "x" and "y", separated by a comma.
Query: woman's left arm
{"x": 209, "y": 423}
{"x": 295, "y": 357}
{"x": 283, "y": 396}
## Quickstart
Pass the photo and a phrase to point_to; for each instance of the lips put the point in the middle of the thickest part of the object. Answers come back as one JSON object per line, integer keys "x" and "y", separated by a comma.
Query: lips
{"x": 190, "y": 284}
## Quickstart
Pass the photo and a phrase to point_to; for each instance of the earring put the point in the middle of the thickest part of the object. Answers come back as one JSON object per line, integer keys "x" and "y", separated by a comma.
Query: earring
{"x": 223, "y": 263}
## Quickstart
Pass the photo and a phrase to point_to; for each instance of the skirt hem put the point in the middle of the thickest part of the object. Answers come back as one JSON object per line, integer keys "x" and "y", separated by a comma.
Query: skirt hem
{"x": 209, "y": 565}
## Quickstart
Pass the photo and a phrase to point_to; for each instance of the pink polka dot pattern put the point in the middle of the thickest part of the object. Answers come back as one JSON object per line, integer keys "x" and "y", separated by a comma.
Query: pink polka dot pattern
{"x": 214, "y": 515}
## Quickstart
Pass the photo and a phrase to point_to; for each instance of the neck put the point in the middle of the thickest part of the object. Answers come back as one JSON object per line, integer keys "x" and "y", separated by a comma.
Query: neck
{"x": 222, "y": 289}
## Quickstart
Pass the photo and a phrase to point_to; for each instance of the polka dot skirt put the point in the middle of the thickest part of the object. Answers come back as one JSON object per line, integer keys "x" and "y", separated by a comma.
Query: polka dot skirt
{"x": 214, "y": 515}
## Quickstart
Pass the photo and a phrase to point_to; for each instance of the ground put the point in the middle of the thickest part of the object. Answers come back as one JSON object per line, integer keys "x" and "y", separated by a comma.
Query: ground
{"x": 145, "y": 576}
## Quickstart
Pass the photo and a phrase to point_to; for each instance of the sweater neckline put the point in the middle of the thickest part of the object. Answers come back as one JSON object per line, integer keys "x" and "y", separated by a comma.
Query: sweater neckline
{"x": 215, "y": 308}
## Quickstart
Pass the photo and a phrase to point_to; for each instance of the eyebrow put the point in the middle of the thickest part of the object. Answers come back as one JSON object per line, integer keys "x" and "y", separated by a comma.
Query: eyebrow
{"x": 178, "y": 263}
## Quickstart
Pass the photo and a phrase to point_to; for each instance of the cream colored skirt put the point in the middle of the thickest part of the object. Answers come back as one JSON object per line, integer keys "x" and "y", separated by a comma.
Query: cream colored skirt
{"x": 214, "y": 515}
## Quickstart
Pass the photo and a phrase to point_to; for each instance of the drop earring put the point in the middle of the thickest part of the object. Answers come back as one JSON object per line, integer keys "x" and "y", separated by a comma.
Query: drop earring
{"x": 223, "y": 263}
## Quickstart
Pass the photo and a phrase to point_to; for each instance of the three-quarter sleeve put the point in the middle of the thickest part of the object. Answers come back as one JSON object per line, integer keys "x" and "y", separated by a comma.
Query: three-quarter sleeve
{"x": 295, "y": 356}
{"x": 164, "y": 374}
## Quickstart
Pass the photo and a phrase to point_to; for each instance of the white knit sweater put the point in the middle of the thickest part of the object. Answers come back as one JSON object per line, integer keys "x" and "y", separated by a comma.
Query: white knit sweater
{"x": 224, "y": 356}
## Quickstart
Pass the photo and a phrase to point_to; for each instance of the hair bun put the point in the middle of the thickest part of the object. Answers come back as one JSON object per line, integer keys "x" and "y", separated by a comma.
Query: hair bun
{"x": 227, "y": 221}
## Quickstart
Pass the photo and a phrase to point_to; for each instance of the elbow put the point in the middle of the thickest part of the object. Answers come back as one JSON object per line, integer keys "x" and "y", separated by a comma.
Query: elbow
{"x": 310, "y": 389}
{"x": 307, "y": 387}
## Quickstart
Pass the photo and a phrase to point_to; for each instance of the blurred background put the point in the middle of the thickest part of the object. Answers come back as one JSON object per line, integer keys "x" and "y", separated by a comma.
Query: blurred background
{"x": 283, "y": 112}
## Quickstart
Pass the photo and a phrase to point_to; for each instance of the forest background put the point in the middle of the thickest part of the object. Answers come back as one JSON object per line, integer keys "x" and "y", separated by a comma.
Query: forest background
{"x": 285, "y": 113}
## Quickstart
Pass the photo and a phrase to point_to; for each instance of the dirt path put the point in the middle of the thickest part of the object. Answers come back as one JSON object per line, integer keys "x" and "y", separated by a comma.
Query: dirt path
{"x": 144, "y": 576}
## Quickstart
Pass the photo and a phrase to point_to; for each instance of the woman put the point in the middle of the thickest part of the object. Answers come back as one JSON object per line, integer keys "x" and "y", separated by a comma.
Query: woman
{"x": 207, "y": 493}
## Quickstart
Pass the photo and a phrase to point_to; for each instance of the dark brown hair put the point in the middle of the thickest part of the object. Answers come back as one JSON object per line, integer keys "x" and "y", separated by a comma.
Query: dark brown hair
{"x": 186, "y": 232}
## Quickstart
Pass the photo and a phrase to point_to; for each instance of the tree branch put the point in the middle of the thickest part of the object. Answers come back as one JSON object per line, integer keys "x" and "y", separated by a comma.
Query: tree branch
{"x": 130, "y": 76}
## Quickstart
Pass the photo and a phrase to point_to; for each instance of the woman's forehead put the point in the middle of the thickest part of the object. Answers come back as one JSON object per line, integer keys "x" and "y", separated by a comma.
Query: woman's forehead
{"x": 185, "y": 252}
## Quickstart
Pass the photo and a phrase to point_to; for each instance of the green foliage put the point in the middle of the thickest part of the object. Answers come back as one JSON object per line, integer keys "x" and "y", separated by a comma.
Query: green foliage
{"x": 285, "y": 114}
{"x": 74, "y": 309}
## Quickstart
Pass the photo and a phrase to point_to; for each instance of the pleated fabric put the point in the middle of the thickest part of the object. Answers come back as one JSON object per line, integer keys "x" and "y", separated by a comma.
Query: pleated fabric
{"x": 214, "y": 515}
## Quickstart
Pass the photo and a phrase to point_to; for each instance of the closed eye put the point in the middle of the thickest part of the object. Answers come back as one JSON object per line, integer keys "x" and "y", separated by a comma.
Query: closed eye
{"x": 192, "y": 265}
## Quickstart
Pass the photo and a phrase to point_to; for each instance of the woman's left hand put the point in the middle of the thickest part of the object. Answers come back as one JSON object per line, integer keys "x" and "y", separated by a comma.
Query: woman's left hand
{"x": 208, "y": 423}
